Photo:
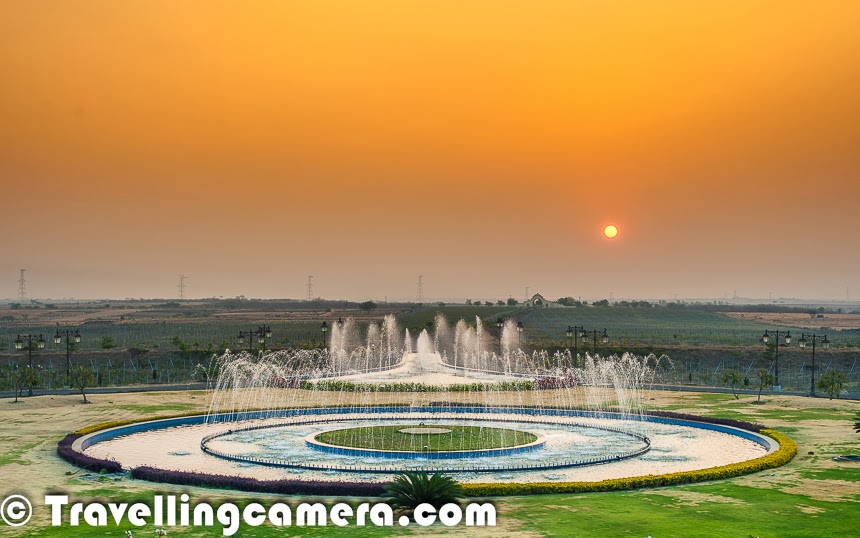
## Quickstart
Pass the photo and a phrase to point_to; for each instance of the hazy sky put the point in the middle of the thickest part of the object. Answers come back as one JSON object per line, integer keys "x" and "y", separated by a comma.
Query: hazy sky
{"x": 483, "y": 144}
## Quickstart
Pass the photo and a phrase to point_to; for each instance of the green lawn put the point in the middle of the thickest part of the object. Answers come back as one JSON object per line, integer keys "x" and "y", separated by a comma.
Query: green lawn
{"x": 811, "y": 496}
{"x": 459, "y": 438}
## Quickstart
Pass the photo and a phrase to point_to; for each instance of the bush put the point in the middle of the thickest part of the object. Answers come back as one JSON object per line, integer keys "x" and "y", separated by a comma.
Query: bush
{"x": 240, "y": 483}
{"x": 411, "y": 489}
{"x": 79, "y": 459}
{"x": 787, "y": 451}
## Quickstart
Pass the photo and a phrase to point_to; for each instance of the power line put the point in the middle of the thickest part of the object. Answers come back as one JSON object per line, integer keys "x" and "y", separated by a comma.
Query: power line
{"x": 420, "y": 295}
{"x": 22, "y": 286}
{"x": 182, "y": 286}
{"x": 310, "y": 288}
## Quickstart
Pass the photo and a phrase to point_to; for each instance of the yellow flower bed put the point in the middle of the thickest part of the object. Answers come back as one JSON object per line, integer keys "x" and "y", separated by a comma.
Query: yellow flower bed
{"x": 115, "y": 423}
{"x": 787, "y": 450}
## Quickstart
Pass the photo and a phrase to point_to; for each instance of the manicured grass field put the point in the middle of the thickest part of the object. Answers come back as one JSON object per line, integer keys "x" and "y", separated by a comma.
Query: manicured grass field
{"x": 810, "y": 496}
{"x": 459, "y": 438}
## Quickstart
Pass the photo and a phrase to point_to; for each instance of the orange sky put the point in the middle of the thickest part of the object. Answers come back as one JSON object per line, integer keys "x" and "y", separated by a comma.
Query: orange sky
{"x": 249, "y": 144}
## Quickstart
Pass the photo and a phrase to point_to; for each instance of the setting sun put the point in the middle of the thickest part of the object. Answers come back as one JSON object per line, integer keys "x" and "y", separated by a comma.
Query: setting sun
{"x": 610, "y": 231}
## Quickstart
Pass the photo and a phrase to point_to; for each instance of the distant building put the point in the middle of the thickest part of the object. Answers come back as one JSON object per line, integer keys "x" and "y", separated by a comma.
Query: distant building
{"x": 539, "y": 301}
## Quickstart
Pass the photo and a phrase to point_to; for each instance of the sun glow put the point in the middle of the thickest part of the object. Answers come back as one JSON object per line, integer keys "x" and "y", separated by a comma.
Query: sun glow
{"x": 610, "y": 231}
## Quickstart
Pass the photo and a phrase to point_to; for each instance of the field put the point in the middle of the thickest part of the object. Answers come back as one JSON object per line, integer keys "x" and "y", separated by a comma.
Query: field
{"x": 811, "y": 496}
{"x": 162, "y": 343}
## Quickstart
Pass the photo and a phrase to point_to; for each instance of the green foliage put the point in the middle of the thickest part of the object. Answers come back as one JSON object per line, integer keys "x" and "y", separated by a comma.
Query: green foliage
{"x": 23, "y": 378}
{"x": 411, "y": 489}
{"x": 764, "y": 379}
{"x": 108, "y": 342}
{"x": 367, "y": 306}
{"x": 769, "y": 352}
{"x": 832, "y": 383}
{"x": 512, "y": 301}
{"x": 857, "y": 423}
{"x": 83, "y": 377}
{"x": 732, "y": 378}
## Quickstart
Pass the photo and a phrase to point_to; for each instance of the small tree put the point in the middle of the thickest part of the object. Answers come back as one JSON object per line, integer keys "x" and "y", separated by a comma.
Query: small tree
{"x": 367, "y": 305}
{"x": 23, "y": 378}
{"x": 732, "y": 378}
{"x": 108, "y": 342}
{"x": 857, "y": 424}
{"x": 83, "y": 377}
{"x": 764, "y": 379}
{"x": 512, "y": 302}
{"x": 832, "y": 383}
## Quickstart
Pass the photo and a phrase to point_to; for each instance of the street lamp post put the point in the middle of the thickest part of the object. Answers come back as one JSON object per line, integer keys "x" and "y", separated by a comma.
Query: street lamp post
{"x": 324, "y": 329}
{"x": 500, "y": 324}
{"x": 574, "y": 333}
{"x": 72, "y": 337}
{"x": 604, "y": 338}
{"x": 261, "y": 333}
{"x": 766, "y": 339}
{"x": 19, "y": 344}
{"x": 520, "y": 330}
{"x": 825, "y": 343}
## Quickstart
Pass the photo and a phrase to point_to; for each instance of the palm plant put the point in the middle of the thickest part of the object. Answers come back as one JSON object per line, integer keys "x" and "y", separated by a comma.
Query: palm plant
{"x": 411, "y": 489}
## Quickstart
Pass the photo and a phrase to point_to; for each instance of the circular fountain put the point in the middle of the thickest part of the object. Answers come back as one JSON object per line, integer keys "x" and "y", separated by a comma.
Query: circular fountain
{"x": 459, "y": 401}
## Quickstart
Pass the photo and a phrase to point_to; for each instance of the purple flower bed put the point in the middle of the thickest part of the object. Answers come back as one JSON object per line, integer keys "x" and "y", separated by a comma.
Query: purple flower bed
{"x": 303, "y": 487}
{"x": 740, "y": 424}
{"x": 96, "y": 465}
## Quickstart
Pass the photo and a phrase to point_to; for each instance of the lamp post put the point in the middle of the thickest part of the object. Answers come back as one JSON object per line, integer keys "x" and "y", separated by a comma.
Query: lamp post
{"x": 72, "y": 337}
{"x": 324, "y": 329}
{"x": 520, "y": 330}
{"x": 766, "y": 339}
{"x": 262, "y": 333}
{"x": 825, "y": 343}
{"x": 19, "y": 344}
{"x": 500, "y": 324}
{"x": 573, "y": 333}
{"x": 604, "y": 338}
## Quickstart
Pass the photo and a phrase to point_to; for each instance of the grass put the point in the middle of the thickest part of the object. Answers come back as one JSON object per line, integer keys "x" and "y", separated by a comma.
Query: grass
{"x": 811, "y": 496}
{"x": 459, "y": 438}
{"x": 721, "y": 509}
{"x": 16, "y": 453}
{"x": 147, "y": 409}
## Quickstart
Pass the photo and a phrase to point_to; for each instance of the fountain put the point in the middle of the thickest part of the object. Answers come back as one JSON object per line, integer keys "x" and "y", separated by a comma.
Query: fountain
{"x": 460, "y": 400}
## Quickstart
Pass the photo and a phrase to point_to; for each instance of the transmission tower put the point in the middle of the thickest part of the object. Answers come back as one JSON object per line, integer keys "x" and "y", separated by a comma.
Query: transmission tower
{"x": 22, "y": 286}
{"x": 420, "y": 295}
{"x": 181, "y": 286}
{"x": 310, "y": 287}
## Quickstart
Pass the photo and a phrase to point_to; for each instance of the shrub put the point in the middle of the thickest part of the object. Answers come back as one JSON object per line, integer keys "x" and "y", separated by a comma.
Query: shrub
{"x": 96, "y": 465}
{"x": 787, "y": 450}
{"x": 411, "y": 489}
{"x": 240, "y": 483}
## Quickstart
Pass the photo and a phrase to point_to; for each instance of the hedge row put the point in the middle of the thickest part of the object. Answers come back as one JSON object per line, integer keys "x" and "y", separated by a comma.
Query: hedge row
{"x": 282, "y": 487}
{"x": 349, "y": 386}
{"x": 787, "y": 451}
{"x": 96, "y": 465}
